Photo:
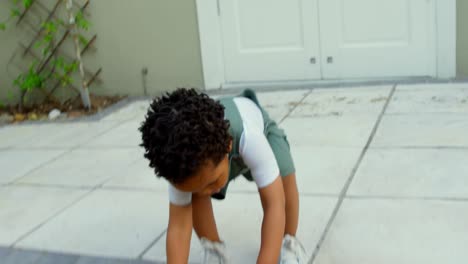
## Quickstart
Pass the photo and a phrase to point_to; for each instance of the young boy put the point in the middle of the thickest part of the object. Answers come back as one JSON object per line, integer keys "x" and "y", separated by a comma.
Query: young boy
{"x": 199, "y": 145}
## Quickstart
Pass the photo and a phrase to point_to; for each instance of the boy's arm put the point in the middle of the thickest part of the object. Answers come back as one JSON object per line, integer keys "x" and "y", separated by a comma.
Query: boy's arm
{"x": 179, "y": 233}
{"x": 273, "y": 203}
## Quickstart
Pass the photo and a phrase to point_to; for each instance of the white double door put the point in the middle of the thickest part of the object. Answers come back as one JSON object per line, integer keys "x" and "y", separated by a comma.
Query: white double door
{"x": 280, "y": 40}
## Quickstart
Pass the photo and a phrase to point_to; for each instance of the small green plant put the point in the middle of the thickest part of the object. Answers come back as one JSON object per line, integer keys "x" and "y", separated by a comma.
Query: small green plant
{"x": 14, "y": 12}
{"x": 81, "y": 22}
{"x": 29, "y": 80}
{"x": 50, "y": 66}
{"x": 63, "y": 70}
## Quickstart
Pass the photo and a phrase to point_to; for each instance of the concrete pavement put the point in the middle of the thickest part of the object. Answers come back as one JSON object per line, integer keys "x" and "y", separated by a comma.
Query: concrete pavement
{"x": 382, "y": 172}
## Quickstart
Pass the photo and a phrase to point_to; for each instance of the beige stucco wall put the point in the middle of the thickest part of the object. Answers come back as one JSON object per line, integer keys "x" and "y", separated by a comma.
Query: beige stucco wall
{"x": 161, "y": 36}
{"x": 9, "y": 40}
{"x": 462, "y": 38}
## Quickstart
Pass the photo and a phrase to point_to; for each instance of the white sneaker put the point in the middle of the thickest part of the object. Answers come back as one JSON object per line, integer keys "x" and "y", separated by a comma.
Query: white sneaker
{"x": 214, "y": 252}
{"x": 292, "y": 251}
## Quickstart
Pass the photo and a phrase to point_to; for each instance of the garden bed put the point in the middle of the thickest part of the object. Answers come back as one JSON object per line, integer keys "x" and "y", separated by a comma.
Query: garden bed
{"x": 68, "y": 110}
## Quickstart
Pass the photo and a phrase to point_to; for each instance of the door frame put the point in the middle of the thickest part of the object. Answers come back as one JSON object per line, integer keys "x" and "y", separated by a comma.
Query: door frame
{"x": 211, "y": 45}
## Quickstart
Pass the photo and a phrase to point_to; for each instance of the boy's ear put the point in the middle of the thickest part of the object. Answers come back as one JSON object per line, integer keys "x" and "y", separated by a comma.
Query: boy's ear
{"x": 230, "y": 145}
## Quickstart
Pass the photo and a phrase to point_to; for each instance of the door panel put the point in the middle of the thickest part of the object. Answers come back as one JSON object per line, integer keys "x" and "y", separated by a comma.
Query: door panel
{"x": 377, "y": 38}
{"x": 270, "y": 40}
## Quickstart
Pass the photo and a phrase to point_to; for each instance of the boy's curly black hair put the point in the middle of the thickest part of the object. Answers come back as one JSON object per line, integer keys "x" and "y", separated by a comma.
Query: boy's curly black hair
{"x": 183, "y": 130}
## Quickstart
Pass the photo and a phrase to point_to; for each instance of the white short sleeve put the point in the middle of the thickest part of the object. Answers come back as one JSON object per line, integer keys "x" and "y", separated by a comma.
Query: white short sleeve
{"x": 254, "y": 147}
{"x": 258, "y": 156}
{"x": 177, "y": 197}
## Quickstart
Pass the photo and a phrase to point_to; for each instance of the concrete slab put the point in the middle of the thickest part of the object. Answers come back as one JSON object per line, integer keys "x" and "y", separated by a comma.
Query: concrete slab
{"x": 25, "y": 256}
{"x": 138, "y": 175}
{"x": 317, "y": 170}
{"x": 397, "y": 231}
{"x": 422, "y": 130}
{"x": 14, "y": 134}
{"x": 440, "y": 98}
{"x": 431, "y": 86}
{"x": 344, "y": 131}
{"x": 24, "y": 208}
{"x": 123, "y": 135}
{"x": 84, "y": 167}
{"x": 16, "y": 163}
{"x": 413, "y": 173}
{"x": 96, "y": 260}
{"x": 323, "y": 170}
{"x": 158, "y": 252}
{"x": 128, "y": 213}
{"x": 239, "y": 222}
{"x": 279, "y": 104}
{"x": 337, "y": 102}
{"x": 105, "y": 223}
{"x": 64, "y": 135}
{"x": 135, "y": 110}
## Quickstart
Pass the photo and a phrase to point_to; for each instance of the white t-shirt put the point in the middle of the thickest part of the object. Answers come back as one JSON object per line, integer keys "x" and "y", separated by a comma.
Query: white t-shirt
{"x": 254, "y": 150}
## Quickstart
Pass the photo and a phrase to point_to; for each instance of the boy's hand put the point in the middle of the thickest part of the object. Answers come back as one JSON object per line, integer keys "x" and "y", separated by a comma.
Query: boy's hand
{"x": 179, "y": 233}
{"x": 273, "y": 203}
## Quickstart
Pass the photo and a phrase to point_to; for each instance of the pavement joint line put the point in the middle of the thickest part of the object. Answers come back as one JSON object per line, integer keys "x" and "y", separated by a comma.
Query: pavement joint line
{"x": 101, "y": 185}
{"x": 41, "y": 148}
{"x": 130, "y": 189}
{"x": 48, "y": 219}
{"x": 23, "y": 254}
{"x": 427, "y": 113}
{"x": 101, "y": 116}
{"x": 351, "y": 177}
{"x": 51, "y": 185}
{"x": 320, "y": 116}
{"x": 407, "y": 198}
{"x": 296, "y": 106}
{"x": 143, "y": 189}
{"x": 422, "y": 147}
{"x": 15, "y": 182}
{"x": 140, "y": 189}
{"x": 68, "y": 151}
{"x": 291, "y": 86}
{"x": 346, "y": 197}
{"x": 151, "y": 245}
{"x": 83, "y": 187}
{"x": 79, "y": 147}
{"x": 41, "y": 166}
{"x": 107, "y": 147}
{"x": 319, "y": 195}
{"x": 114, "y": 125}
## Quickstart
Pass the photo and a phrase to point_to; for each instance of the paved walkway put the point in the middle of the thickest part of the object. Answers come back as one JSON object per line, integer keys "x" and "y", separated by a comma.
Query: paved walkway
{"x": 382, "y": 171}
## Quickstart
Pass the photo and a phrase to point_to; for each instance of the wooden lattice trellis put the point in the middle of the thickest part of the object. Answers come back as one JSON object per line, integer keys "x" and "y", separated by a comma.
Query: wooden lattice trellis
{"x": 45, "y": 66}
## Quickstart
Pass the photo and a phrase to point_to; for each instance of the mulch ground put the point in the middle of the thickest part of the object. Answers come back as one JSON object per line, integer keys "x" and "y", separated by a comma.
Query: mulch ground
{"x": 69, "y": 109}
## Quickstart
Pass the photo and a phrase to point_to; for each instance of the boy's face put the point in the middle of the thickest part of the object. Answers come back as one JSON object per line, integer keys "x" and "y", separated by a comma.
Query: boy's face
{"x": 209, "y": 179}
